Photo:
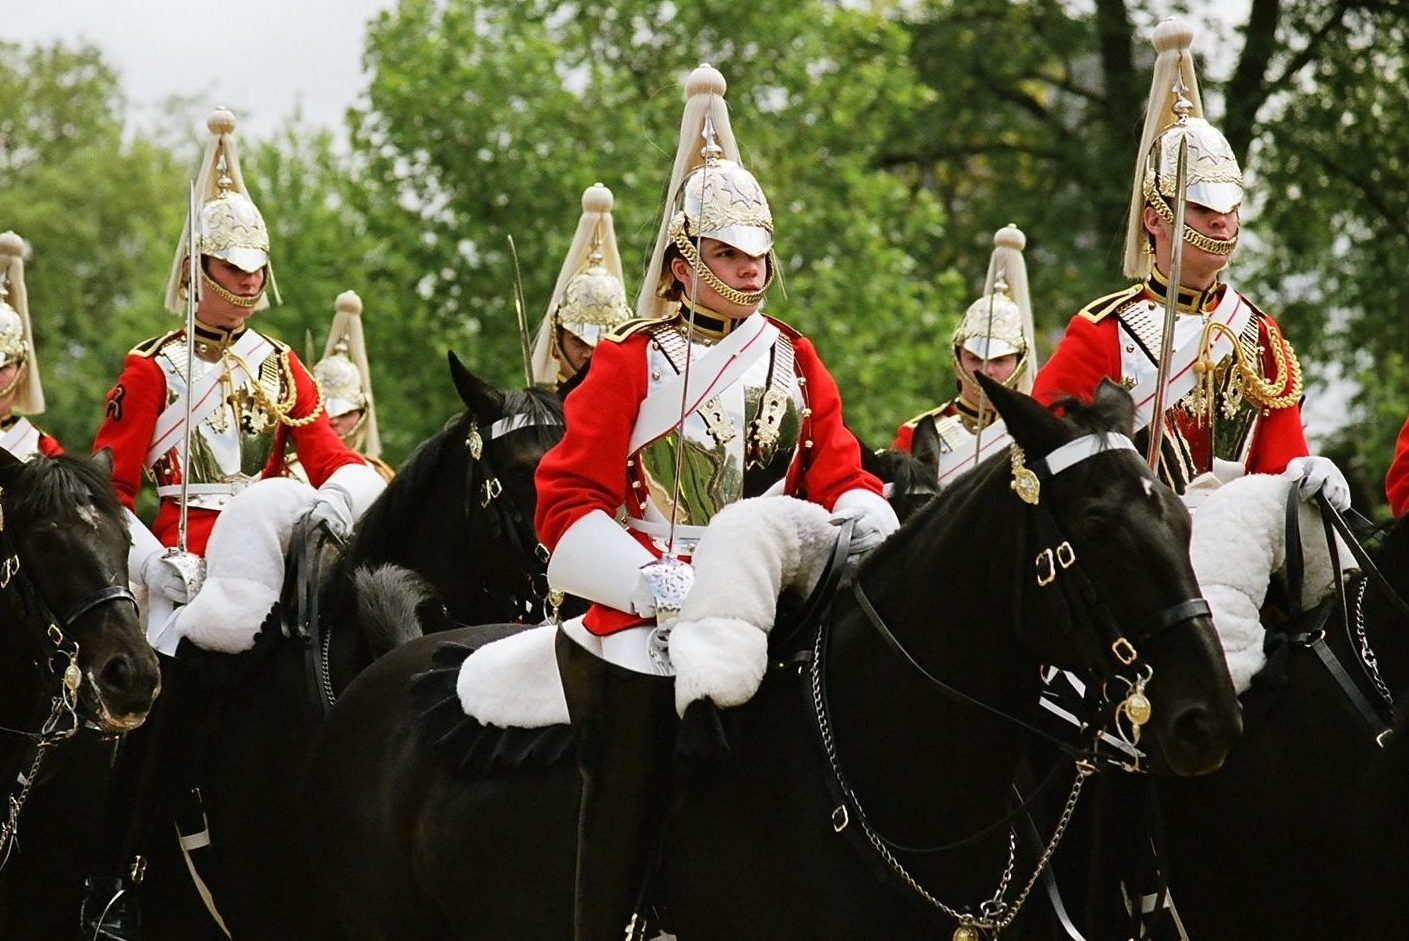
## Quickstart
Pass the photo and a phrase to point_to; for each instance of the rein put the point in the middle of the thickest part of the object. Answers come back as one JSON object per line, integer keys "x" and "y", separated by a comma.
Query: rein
{"x": 1081, "y": 597}
{"x": 62, "y": 722}
{"x": 1381, "y": 719}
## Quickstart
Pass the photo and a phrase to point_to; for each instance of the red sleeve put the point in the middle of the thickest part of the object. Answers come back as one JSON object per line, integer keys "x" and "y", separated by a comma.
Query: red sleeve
{"x": 49, "y": 445}
{"x": 1279, "y": 436}
{"x": 833, "y": 465}
{"x": 1397, "y": 480}
{"x": 904, "y": 438}
{"x": 133, "y": 406}
{"x": 1088, "y": 353}
{"x": 319, "y": 448}
{"x": 586, "y": 470}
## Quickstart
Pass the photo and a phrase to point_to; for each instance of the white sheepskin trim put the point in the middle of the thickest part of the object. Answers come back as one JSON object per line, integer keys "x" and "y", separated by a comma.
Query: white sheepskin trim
{"x": 245, "y": 565}
{"x": 751, "y": 551}
{"x": 514, "y": 682}
{"x": 723, "y": 659}
{"x": 1239, "y": 540}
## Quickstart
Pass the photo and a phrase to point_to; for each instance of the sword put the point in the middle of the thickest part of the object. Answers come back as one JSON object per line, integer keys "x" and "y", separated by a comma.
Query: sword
{"x": 522, "y": 317}
{"x": 991, "y": 284}
{"x": 192, "y": 302}
{"x": 1176, "y": 273}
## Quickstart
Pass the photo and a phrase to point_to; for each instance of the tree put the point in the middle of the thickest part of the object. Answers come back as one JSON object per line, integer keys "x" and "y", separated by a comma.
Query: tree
{"x": 101, "y": 212}
{"x": 488, "y": 119}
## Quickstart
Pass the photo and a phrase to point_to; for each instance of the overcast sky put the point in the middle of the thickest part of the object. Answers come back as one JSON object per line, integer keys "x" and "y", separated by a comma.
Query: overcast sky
{"x": 260, "y": 58}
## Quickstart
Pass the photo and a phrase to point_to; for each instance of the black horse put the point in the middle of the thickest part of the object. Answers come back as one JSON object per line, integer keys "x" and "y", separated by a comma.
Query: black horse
{"x": 1304, "y": 833}
{"x": 75, "y": 671}
{"x": 926, "y": 724}
{"x": 454, "y": 527}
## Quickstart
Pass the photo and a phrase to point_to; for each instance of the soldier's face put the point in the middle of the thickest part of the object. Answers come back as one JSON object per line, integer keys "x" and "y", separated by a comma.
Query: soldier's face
{"x": 741, "y": 271}
{"x": 346, "y": 423}
{"x": 1200, "y": 268}
{"x": 575, "y": 350}
{"x": 216, "y": 310}
{"x": 8, "y": 373}
{"x": 999, "y": 369}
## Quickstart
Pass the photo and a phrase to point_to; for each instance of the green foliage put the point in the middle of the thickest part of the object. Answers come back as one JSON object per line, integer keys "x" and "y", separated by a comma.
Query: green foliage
{"x": 488, "y": 119}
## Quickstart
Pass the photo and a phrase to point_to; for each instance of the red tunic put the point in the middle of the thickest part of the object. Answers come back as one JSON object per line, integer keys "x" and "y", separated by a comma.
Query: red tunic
{"x": 1397, "y": 480}
{"x": 139, "y": 397}
{"x": 588, "y": 469}
{"x": 1090, "y": 351}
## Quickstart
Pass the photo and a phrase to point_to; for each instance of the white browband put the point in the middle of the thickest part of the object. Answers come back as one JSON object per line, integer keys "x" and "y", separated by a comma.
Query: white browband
{"x": 1078, "y": 450}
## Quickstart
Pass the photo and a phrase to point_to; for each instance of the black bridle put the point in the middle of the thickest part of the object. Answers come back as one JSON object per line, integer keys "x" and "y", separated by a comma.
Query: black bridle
{"x": 62, "y": 722}
{"x": 505, "y": 519}
{"x": 1082, "y": 603}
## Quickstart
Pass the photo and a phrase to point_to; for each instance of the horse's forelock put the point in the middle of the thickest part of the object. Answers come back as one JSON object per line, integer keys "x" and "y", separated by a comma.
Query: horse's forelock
{"x": 46, "y": 486}
{"x": 1099, "y": 416}
{"x": 544, "y": 411}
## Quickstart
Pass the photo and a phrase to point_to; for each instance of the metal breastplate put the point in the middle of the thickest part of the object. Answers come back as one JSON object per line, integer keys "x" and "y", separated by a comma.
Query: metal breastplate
{"x": 738, "y": 444}
{"x": 230, "y": 445}
{"x": 1197, "y": 437}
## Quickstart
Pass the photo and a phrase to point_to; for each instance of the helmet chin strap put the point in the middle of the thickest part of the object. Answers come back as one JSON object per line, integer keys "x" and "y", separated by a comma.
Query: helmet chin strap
{"x": 733, "y": 295}
{"x": 239, "y": 300}
{"x": 1200, "y": 241}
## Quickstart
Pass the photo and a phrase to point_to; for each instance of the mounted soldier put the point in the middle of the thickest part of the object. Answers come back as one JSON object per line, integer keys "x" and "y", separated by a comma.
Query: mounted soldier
{"x": 21, "y": 393}
{"x": 206, "y": 411}
{"x": 1218, "y": 371}
{"x": 344, "y": 376}
{"x": 995, "y": 337}
{"x": 702, "y": 402}
{"x": 588, "y": 301}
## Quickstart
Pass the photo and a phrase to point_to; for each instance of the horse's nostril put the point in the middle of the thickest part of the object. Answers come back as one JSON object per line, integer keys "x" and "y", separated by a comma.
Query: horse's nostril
{"x": 116, "y": 674}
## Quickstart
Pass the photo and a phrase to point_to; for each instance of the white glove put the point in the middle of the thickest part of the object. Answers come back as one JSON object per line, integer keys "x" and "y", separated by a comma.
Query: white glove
{"x": 331, "y": 508}
{"x": 875, "y": 520}
{"x": 1314, "y": 474}
{"x": 178, "y": 577}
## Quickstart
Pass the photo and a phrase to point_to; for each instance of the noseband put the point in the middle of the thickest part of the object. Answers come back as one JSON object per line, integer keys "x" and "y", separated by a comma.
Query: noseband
{"x": 484, "y": 495}
{"x": 1056, "y": 564}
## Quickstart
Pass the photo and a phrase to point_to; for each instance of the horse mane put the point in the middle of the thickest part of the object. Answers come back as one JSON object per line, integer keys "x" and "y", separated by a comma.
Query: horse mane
{"x": 44, "y": 486}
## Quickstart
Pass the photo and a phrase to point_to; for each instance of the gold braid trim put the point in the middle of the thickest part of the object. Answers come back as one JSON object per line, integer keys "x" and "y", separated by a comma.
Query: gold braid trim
{"x": 1259, "y": 391}
{"x": 1197, "y": 239}
{"x": 732, "y": 295}
{"x": 280, "y": 410}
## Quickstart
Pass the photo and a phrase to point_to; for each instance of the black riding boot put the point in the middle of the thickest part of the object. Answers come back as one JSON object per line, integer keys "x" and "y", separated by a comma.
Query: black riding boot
{"x": 624, "y": 723}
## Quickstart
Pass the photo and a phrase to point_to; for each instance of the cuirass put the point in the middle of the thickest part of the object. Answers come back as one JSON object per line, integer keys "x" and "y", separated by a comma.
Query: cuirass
{"x": 230, "y": 445}
{"x": 737, "y": 444}
{"x": 1225, "y": 430}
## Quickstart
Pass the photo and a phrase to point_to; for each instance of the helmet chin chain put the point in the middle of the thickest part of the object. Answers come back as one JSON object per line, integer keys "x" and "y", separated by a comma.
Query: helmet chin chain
{"x": 239, "y": 300}
{"x": 732, "y": 295}
{"x": 1213, "y": 246}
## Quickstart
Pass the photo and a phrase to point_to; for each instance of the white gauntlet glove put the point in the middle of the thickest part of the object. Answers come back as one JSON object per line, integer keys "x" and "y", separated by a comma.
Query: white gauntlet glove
{"x": 1314, "y": 474}
{"x": 178, "y": 576}
{"x": 875, "y": 520}
{"x": 331, "y": 508}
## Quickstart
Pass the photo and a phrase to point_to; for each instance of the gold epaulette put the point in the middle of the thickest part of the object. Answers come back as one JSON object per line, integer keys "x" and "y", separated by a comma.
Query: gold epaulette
{"x": 153, "y": 345}
{"x": 932, "y": 413}
{"x": 632, "y": 327}
{"x": 1103, "y": 307}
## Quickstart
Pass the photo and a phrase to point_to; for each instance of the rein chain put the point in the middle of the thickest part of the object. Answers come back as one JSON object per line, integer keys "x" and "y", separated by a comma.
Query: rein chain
{"x": 994, "y": 914}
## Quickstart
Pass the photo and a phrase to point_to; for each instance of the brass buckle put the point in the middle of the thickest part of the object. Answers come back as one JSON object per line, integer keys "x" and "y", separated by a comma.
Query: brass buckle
{"x": 1384, "y": 738}
{"x": 840, "y": 818}
{"x": 1066, "y": 555}
{"x": 1124, "y": 651}
{"x": 492, "y": 489}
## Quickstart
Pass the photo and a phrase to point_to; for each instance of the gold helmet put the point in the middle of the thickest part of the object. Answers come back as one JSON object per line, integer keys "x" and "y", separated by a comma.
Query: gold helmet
{"x": 999, "y": 323}
{"x": 345, "y": 377}
{"x": 1174, "y": 114}
{"x": 229, "y": 225}
{"x": 712, "y": 196}
{"x": 16, "y": 337}
{"x": 590, "y": 296}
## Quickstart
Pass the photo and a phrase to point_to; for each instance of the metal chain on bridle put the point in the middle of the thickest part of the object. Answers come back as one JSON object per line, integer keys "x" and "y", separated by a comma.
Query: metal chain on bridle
{"x": 1082, "y": 603}
{"x": 63, "y": 721}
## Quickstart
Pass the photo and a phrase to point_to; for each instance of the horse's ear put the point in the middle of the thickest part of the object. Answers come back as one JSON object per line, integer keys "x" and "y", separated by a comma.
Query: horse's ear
{"x": 1115, "y": 406}
{"x": 925, "y": 446}
{"x": 1032, "y": 426}
{"x": 104, "y": 462}
{"x": 483, "y": 401}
